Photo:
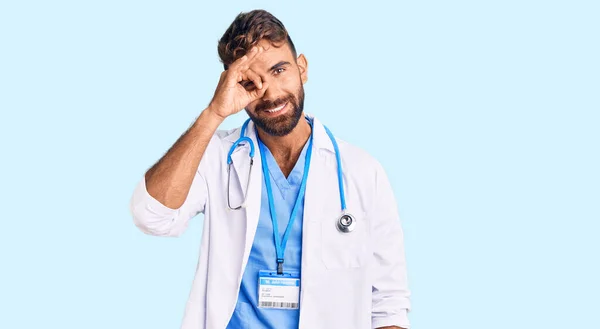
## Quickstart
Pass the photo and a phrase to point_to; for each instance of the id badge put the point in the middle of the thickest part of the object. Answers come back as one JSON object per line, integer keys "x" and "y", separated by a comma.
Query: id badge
{"x": 279, "y": 291}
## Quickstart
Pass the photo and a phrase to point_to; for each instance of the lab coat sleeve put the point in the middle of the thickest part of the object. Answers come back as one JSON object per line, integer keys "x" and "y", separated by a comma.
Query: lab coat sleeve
{"x": 391, "y": 301}
{"x": 154, "y": 218}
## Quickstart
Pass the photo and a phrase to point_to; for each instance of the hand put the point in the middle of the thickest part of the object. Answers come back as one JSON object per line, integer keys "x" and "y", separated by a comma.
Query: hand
{"x": 238, "y": 86}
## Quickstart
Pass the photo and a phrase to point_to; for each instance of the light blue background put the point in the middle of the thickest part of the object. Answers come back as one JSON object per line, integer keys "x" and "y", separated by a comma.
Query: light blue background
{"x": 484, "y": 113}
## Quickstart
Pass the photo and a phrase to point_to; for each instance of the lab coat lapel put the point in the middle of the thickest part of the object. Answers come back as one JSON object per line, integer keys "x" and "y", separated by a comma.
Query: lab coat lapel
{"x": 241, "y": 163}
{"x": 321, "y": 203}
{"x": 321, "y": 185}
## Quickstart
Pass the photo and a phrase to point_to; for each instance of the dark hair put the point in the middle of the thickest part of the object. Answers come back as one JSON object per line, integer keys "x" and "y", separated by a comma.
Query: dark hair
{"x": 247, "y": 30}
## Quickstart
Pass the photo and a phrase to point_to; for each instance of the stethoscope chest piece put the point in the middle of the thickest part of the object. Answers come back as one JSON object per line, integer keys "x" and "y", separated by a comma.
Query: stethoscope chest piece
{"x": 346, "y": 223}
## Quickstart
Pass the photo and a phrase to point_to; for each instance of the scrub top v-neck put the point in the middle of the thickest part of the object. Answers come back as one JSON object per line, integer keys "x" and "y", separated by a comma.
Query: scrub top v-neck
{"x": 263, "y": 254}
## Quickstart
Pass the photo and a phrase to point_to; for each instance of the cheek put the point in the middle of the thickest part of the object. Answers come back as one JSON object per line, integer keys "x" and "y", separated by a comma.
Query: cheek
{"x": 290, "y": 83}
{"x": 293, "y": 79}
{"x": 251, "y": 106}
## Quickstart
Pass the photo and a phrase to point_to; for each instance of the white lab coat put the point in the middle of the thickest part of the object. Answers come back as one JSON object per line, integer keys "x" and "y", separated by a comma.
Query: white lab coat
{"x": 356, "y": 280}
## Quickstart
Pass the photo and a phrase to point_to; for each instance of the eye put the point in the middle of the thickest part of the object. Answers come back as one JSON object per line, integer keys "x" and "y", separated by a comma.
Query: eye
{"x": 279, "y": 70}
{"x": 248, "y": 85}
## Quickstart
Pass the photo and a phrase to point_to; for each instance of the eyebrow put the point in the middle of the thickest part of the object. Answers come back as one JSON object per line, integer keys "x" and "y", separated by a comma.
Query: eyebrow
{"x": 278, "y": 65}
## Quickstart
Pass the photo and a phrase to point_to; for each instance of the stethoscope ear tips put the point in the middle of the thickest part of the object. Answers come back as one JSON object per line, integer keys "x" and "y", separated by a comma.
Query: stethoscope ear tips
{"x": 346, "y": 223}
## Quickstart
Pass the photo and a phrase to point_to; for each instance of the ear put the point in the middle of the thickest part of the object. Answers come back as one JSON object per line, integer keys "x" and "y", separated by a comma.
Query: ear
{"x": 303, "y": 67}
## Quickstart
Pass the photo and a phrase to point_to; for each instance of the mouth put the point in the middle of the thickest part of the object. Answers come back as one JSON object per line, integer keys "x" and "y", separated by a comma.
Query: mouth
{"x": 277, "y": 109}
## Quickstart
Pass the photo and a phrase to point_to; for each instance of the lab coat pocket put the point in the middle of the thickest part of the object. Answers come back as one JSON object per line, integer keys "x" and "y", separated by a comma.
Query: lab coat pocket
{"x": 345, "y": 250}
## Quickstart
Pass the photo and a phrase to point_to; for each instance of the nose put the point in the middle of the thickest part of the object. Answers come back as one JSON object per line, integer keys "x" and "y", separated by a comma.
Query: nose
{"x": 273, "y": 91}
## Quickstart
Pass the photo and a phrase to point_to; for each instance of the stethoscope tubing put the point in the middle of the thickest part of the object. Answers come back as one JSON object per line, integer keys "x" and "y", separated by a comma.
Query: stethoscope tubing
{"x": 345, "y": 223}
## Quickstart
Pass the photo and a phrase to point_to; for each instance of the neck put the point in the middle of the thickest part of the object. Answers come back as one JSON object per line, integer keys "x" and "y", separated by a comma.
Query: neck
{"x": 289, "y": 145}
{"x": 286, "y": 149}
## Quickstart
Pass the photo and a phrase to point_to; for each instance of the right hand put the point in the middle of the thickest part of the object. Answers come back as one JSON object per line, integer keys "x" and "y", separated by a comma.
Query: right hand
{"x": 230, "y": 95}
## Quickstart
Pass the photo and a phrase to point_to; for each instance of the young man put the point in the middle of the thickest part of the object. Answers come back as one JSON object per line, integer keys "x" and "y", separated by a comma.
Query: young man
{"x": 285, "y": 244}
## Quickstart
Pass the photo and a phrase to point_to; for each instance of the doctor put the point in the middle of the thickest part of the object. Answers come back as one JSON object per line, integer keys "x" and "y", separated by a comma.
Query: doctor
{"x": 301, "y": 229}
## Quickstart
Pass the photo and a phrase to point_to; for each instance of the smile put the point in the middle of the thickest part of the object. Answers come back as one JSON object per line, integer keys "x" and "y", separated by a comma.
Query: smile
{"x": 277, "y": 109}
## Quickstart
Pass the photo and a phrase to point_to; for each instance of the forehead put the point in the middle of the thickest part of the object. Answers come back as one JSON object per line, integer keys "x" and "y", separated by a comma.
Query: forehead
{"x": 272, "y": 54}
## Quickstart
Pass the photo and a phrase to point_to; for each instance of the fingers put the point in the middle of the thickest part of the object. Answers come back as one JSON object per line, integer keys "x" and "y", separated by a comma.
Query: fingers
{"x": 258, "y": 93}
{"x": 238, "y": 71}
{"x": 244, "y": 62}
{"x": 250, "y": 75}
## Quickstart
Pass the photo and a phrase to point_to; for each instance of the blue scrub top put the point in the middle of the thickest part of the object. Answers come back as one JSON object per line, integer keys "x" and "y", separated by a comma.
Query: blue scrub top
{"x": 263, "y": 255}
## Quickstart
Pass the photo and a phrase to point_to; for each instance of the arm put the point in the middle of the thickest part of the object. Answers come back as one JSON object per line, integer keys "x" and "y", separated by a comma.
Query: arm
{"x": 170, "y": 179}
{"x": 390, "y": 287}
{"x": 174, "y": 190}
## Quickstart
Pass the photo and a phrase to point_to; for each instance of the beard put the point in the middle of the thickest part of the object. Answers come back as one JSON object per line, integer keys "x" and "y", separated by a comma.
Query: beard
{"x": 282, "y": 124}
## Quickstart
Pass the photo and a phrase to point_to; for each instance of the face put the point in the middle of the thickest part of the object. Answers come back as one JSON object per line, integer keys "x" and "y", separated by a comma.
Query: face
{"x": 280, "y": 108}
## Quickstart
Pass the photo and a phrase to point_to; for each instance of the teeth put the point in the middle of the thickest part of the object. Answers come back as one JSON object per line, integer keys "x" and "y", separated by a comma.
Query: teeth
{"x": 277, "y": 109}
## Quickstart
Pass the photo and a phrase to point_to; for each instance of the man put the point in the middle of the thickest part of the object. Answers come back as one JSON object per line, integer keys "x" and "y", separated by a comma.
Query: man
{"x": 283, "y": 259}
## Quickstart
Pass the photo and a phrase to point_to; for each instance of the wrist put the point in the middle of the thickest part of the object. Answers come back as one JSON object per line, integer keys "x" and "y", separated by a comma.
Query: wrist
{"x": 215, "y": 113}
{"x": 207, "y": 121}
{"x": 212, "y": 115}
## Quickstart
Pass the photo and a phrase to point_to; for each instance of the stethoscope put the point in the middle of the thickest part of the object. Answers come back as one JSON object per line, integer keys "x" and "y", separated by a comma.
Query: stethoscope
{"x": 345, "y": 224}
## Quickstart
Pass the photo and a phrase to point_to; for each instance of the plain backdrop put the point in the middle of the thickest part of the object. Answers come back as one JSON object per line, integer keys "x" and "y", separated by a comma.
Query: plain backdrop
{"x": 485, "y": 114}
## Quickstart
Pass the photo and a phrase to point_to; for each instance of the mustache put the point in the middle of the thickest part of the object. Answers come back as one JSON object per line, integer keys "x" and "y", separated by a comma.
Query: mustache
{"x": 273, "y": 104}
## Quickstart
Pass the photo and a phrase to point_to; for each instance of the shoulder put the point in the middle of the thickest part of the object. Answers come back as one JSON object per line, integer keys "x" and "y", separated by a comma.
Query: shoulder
{"x": 356, "y": 161}
{"x": 226, "y": 133}
{"x": 359, "y": 166}
{"x": 357, "y": 158}
{"x": 224, "y": 138}
{"x": 363, "y": 175}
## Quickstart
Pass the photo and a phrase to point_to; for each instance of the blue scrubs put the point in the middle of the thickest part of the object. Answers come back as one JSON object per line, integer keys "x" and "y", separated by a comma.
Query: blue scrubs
{"x": 263, "y": 255}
